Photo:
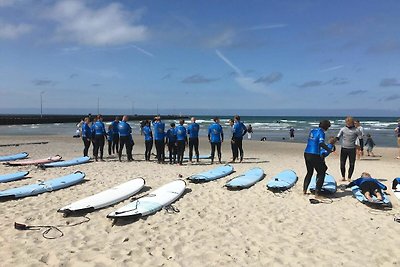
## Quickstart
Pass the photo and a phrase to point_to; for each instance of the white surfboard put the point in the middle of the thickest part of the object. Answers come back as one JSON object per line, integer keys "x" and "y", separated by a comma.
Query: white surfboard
{"x": 105, "y": 198}
{"x": 153, "y": 202}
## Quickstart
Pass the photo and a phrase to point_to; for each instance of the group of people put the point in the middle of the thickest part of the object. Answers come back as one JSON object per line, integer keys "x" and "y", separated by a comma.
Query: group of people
{"x": 176, "y": 138}
{"x": 352, "y": 144}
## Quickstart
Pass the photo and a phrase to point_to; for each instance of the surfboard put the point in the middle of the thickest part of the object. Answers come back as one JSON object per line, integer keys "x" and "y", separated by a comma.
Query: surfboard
{"x": 67, "y": 163}
{"x": 33, "y": 161}
{"x": 213, "y": 174}
{"x": 12, "y": 176}
{"x": 14, "y": 157}
{"x": 153, "y": 202}
{"x": 42, "y": 187}
{"x": 283, "y": 181}
{"x": 105, "y": 198}
{"x": 329, "y": 185}
{"x": 360, "y": 197}
{"x": 247, "y": 179}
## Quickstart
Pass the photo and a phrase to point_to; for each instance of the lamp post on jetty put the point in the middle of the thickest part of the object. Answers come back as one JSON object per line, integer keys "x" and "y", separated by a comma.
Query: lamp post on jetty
{"x": 41, "y": 103}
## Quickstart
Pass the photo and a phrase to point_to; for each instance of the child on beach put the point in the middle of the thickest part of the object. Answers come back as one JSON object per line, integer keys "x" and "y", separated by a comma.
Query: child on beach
{"x": 369, "y": 187}
{"x": 110, "y": 138}
{"x": 370, "y": 145}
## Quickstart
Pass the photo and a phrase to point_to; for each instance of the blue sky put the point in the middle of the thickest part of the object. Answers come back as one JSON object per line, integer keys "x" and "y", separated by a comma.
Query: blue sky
{"x": 200, "y": 55}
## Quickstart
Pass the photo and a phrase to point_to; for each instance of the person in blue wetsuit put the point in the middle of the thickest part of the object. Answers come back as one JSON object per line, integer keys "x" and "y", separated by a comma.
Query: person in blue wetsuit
{"x": 234, "y": 148}
{"x": 312, "y": 156}
{"x": 396, "y": 182}
{"x": 193, "y": 132}
{"x": 125, "y": 131}
{"x": 86, "y": 136}
{"x": 115, "y": 136}
{"x": 239, "y": 130}
{"x": 216, "y": 137}
{"x": 181, "y": 140}
{"x": 171, "y": 143}
{"x": 110, "y": 135}
{"x": 159, "y": 138}
{"x": 99, "y": 134}
{"x": 369, "y": 186}
{"x": 148, "y": 140}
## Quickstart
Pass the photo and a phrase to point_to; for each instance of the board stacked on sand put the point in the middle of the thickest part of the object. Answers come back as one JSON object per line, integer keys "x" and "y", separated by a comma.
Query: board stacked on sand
{"x": 213, "y": 174}
{"x": 282, "y": 181}
{"x": 329, "y": 186}
{"x": 67, "y": 163}
{"x": 360, "y": 197}
{"x": 14, "y": 157}
{"x": 42, "y": 187}
{"x": 12, "y": 176}
{"x": 105, "y": 198}
{"x": 396, "y": 187}
{"x": 153, "y": 202}
{"x": 33, "y": 161}
{"x": 247, "y": 179}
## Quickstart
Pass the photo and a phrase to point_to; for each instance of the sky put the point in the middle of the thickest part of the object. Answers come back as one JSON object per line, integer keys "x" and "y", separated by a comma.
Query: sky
{"x": 201, "y": 56}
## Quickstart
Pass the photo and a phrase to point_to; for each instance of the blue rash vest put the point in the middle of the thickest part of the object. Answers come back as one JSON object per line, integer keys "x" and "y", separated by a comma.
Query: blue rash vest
{"x": 324, "y": 153}
{"x": 110, "y": 134}
{"x": 99, "y": 128}
{"x": 359, "y": 181}
{"x": 115, "y": 127}
{"x": 147, "y": 133}
{"x": 180, "y": 132}
{"x": 215, "y": 132}
{"x": 315, "y": 138}
{"x": 86, "y": 131}
{"x": 171, "y": 135}
{"x": 124, "y": 128}
{"x": 193, "y": 130}
{"x": 239, "y": 129}
{"x": 159, "y": 128}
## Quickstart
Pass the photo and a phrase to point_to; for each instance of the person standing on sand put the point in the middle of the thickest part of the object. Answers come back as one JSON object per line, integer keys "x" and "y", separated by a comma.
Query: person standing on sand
{"x": 239, "y": 130}
{"x": 397, "y": 131}
{"x": 359, "y": 140}
{"x": 215, "y": 137}
{"x": 193, "y": 132}
{"x": 125, "y": 131}
{"x": 313, "y": 159}
{"x": 181, "y": 140}
{"x": 86, "y": 136}
{"x": 115, "y": 136}
{"x": 349, "y": 134}
{"x": 249, "y": 131}
{"x": 159, "y": 138}
{"x": 148, "y": 140}
{"x": 171, "y": 143}
{"x": 235, "y": 152}
{"x": 99, "y": 133}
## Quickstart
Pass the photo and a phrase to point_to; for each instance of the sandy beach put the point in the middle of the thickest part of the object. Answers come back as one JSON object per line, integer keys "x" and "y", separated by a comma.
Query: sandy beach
{"x": 215, "y": 227}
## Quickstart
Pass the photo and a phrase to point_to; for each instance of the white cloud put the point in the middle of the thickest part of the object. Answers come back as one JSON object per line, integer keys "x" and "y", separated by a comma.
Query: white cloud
{"x": 223, "y": 39}
{"x": 109, "y": 25}
{"x": 265, "y": 27}
{"x": 13, "y": 31}
{"x": 332, "y": 68}
{"x": 4, "y": 3}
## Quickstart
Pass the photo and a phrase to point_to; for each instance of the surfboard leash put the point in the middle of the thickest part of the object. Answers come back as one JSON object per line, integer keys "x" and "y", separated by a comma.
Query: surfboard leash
{"x": 48, "y": 228}
{"x": 171, "y": 209}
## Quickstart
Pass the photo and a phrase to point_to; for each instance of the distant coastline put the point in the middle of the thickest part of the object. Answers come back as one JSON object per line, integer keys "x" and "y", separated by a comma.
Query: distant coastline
{"x": 18, "y": 119}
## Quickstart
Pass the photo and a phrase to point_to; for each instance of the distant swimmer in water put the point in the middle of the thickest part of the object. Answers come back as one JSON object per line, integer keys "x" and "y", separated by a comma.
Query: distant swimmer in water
{"x": 249, "y": 132}
{"x": 291, "y": 133}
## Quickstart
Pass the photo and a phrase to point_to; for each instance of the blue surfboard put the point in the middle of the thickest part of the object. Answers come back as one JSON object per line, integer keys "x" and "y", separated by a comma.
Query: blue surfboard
{"x": 14, "y": 157}
{"x": 12, "y": 176}
{"x": 212, "y": 174}
{"x": 247, "y": 179}
{"x": 360, "y": 197}
{"x": 67, "y": 163}
{"x": 329, "y": 185}
{"x": 283, "y": 181}
{"x": 42, "y": 187}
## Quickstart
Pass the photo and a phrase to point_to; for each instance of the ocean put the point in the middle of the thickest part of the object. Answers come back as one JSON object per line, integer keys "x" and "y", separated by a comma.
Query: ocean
{"x": 274, "y": 128}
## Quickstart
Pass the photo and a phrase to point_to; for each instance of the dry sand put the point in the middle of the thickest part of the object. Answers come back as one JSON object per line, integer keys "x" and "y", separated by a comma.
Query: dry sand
{"x": 215, "y": 227}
